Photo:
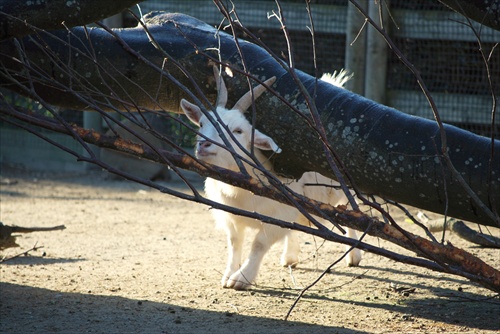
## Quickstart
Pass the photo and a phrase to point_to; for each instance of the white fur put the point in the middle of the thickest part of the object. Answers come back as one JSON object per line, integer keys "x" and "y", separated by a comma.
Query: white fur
{"x": 337, "y": 79}
{"x": 240, "y": 275}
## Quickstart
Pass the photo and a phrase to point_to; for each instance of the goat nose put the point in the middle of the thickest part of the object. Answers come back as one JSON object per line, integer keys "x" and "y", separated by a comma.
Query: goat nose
{"x": 204, "y": 144}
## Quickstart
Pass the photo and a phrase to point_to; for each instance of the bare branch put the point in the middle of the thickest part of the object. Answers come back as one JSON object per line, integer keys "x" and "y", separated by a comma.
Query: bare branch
{"x": 164, "y": 46}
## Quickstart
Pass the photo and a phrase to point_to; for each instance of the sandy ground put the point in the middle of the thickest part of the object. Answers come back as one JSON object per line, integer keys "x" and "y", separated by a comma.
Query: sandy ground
{"x": 134, "y": 260}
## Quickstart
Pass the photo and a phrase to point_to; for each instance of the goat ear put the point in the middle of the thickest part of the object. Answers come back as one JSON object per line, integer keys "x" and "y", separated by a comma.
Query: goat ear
{"x": 264, "y": 142}
{"x": 192, "y": 111}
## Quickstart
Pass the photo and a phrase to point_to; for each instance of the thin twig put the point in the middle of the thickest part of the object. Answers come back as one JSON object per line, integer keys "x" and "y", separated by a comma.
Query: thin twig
{"x": 25, "y": 253}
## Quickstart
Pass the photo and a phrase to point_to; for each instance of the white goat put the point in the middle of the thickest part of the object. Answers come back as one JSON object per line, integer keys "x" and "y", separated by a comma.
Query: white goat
{"x": 210, "y": 148}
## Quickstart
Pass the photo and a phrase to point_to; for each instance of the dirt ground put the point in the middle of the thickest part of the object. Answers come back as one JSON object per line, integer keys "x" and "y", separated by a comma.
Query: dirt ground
{"x": 134, "y": 260}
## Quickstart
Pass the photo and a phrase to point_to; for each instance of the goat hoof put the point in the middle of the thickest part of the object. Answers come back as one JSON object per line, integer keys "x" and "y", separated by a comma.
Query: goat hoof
{"x": 289, "y": 263}
{"x": 223, "y": 282}
{"x": 353, "y": 258}
{"x": 238, "y": 282}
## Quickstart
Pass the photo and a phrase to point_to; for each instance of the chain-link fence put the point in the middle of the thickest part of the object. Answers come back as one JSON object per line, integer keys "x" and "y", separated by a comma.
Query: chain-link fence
{"x": 446, "y": 52}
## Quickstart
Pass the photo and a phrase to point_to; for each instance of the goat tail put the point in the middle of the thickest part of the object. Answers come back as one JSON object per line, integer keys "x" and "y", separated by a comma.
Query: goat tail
{"x": 337, "y": 78}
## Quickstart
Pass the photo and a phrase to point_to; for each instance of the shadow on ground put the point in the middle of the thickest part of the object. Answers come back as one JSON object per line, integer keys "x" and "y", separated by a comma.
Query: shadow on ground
{"x": 409, "y": 299}
{"x": 58, "y": 312}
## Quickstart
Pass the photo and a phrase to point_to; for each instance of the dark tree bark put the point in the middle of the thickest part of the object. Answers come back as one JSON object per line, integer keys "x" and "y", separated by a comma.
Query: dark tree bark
{"x": 17, "y": 17}
{"x": 387, "y": 153}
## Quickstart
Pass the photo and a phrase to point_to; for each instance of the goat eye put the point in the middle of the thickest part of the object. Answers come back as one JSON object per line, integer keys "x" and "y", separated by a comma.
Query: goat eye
{"x": 238, "y": 131}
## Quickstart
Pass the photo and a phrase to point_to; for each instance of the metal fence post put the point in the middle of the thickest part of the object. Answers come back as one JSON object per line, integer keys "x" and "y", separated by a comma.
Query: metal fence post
{"x": 356, "y": 48}
{"x": 376, "y": 54}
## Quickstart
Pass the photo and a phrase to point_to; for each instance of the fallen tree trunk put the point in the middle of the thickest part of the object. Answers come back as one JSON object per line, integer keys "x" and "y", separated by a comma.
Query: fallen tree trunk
{"x": 17, "y": 18}
{"x": 387, "y": 153}
{"x": 465, "y": 232}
